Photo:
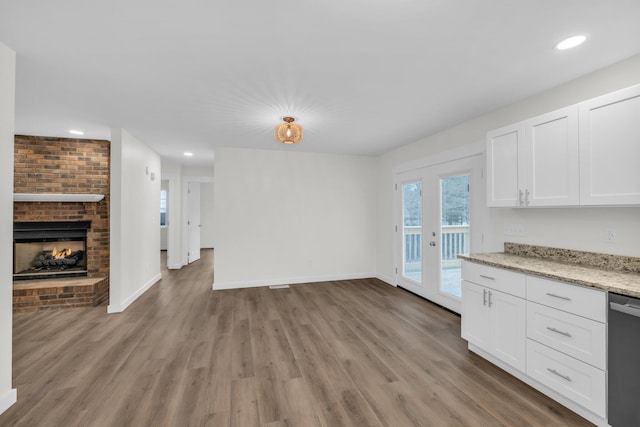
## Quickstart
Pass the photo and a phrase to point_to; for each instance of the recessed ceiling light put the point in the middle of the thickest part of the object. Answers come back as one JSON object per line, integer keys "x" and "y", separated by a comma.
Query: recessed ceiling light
{"x": 188, "y": 154}
{"x": 76, "y": 132}
{"x": 571, "y": 42}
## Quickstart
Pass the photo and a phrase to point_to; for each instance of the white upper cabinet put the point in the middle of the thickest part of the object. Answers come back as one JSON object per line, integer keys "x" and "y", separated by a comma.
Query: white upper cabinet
{"x": 586, "y": 154}
{"x": 535, "y": 162}
{"x": 552, "y": 172}
{"x": 505, "y": 153}
{"x": 610, "y": 149}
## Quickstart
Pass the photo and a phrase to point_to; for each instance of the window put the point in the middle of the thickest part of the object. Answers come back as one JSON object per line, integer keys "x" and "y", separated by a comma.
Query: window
{"x": 163, "y": 208}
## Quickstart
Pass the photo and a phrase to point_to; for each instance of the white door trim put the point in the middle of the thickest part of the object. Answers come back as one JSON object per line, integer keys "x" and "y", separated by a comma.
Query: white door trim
{"x": 457, "y": 153}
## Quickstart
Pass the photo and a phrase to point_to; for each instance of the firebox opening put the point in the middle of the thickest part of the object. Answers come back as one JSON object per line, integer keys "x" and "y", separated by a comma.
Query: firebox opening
{"x": 49, "y": 249}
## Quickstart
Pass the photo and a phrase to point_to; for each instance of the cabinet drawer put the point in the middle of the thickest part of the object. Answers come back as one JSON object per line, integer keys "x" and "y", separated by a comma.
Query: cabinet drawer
{"x": 495, "y": 278}
{"x": 575, "y": 380}
{"x": 585, "y": 302}
{"x": 584, "y": 339}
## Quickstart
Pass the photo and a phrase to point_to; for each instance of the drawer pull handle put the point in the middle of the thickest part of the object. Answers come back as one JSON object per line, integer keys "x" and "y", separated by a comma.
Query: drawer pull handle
{"x": 566, "y": 334}
{"x": 553, "y": 371}
{"x": 487, "y": 277}
{"x": 559, "y": 296}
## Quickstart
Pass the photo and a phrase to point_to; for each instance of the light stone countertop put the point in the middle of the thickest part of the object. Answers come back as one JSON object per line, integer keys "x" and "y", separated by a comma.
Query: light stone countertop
{"x": 625, "y": 283}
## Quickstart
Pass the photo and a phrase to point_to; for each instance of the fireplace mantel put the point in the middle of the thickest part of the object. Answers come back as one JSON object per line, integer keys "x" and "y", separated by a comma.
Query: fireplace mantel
{"x": 52, "y": 197}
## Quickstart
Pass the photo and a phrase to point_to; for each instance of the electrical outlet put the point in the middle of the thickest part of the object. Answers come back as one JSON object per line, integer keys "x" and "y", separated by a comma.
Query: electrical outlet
{"x": 514, "y": 229}
{"x": 610, "y": 235}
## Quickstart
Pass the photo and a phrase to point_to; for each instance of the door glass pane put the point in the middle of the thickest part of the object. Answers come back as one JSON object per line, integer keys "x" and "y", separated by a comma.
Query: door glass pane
{"x": 454, "y": 192}
{"x": 163, "y": 208}
{"x": 412, "y": 230}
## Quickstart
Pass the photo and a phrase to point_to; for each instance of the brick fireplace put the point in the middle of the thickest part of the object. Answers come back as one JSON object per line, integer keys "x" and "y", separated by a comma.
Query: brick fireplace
{"x": 65, "y": 166}
{"x": 49, "y": 249}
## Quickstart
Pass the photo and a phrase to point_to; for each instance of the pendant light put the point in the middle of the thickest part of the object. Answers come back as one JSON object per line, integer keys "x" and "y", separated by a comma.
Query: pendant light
{"x": 288, "y": 132}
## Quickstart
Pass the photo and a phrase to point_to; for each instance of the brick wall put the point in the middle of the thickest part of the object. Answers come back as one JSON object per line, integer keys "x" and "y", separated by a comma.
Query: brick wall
{"x": 65, "y": 165}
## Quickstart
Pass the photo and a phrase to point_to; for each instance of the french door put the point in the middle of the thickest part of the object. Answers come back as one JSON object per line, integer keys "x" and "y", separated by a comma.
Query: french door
{"x": 434, "y": 218}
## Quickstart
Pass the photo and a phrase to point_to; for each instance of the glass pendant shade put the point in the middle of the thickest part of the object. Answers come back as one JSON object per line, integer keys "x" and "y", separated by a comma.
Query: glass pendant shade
{"x": 288, "y": 132}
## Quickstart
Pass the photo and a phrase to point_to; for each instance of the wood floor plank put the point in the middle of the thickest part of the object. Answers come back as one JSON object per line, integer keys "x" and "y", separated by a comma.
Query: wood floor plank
{"x": 241, "y": 349}
{"x": 343, "y": 353}
{"x": 244, "y": 402}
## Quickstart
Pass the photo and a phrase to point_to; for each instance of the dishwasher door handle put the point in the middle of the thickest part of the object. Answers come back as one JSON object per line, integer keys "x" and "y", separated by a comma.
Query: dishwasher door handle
{"x": 631, "y": 310}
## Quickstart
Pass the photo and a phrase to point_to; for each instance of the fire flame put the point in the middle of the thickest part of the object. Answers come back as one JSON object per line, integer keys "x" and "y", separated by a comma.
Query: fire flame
{"x": 60, "y": 254}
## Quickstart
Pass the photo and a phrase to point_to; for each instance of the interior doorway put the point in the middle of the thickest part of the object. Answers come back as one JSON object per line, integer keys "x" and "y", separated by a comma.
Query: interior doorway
{"x": 164, "y": 214}
{"x": 193, "y": 222}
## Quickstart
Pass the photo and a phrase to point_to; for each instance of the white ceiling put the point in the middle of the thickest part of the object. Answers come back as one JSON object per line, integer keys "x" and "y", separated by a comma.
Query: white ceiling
{"x": 361, "y": 76}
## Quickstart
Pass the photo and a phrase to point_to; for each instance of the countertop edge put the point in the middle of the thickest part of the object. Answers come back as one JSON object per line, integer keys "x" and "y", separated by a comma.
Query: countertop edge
{"x": 567, "y": 278}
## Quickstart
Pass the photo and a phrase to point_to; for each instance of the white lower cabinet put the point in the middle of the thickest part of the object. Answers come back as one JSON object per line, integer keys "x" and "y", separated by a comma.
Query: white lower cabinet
{"x": 576, "y": 380}
{"x": 567, "y": 341}
{"x": 495, "y": 322}
{"x": 552, "y": 332}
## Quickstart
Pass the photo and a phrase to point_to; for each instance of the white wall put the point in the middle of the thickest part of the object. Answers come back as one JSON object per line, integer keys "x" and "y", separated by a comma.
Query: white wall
{"x": 571, "y": 228}
{"x": 285, "y": 217}
{"x": 7, "y": 116}
{"x": 135, "y": 200}
{"x": 207, "y": 235}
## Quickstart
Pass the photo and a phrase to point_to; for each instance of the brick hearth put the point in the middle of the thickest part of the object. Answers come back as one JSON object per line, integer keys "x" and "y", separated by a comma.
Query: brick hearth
{"x": 66, "y": 165}
{"x": 34, "y": 295}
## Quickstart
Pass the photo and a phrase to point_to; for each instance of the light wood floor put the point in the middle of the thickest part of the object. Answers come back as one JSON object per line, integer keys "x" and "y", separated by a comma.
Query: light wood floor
{"x": 352, "y": 353}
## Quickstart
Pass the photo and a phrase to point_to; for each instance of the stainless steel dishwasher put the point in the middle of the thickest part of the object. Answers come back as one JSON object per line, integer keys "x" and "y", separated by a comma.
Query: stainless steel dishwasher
{"x": 624, "y": 355}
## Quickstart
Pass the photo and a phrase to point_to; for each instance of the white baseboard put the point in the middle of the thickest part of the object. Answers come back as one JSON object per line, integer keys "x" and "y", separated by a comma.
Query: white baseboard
{"x": 119, "y": 308}
{"x": 387, "y": 280}
{"x": 217, "y": 286}
{"x": 8, "y": 399}
{"x": 174, "y": 266}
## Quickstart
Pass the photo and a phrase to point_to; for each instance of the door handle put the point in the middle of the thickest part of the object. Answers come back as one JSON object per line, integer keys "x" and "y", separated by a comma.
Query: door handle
{"x": 432, "y": 243}
{"x": 626, "y": 308}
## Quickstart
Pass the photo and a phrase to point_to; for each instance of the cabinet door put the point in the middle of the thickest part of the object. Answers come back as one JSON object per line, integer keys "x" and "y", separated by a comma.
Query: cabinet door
{"x": 552, "y": 174}
{"x": 610, "y": 148}
{"x": 475, "y": 315}
{"x": 505, "y": 166}
{"x": 508, "y": 329}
